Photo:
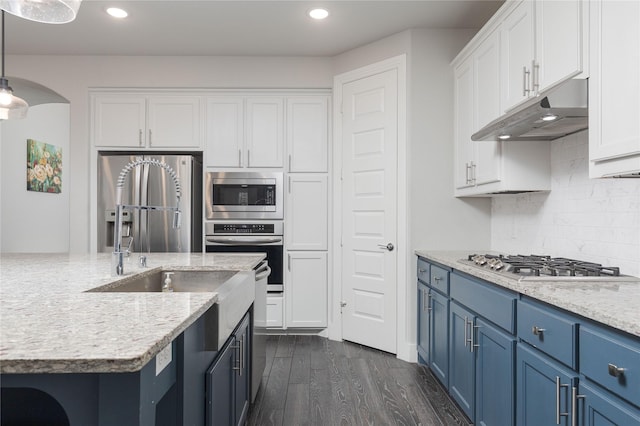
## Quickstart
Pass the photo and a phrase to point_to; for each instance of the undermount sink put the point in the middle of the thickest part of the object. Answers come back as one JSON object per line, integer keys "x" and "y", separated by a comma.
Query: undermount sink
{"x": 181, "y": 281}
{"x": 235, "y": 294}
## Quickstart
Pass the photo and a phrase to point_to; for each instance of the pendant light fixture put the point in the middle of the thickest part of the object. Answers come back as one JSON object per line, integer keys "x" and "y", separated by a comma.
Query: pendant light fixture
{"x": 45, "y": 11}
{"x": 11, "y": 106}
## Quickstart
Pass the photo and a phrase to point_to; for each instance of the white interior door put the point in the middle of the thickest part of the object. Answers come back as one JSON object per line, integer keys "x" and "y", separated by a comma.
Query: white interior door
{"x": 369, "y": 210}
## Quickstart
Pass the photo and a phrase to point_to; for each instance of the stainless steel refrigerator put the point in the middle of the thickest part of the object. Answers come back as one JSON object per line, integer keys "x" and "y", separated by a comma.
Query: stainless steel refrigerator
{"x": 150, "y": 230}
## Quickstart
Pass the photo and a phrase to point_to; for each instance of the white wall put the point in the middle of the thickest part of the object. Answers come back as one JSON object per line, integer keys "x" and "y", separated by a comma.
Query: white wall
{"x": 595, "y": 220}
{"x": 72, "y": 76}
{"x": 33, "y": 221}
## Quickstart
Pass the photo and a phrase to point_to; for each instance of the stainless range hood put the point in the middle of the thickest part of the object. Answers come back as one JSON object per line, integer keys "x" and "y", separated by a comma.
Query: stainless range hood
{"x": 534, "y": 119}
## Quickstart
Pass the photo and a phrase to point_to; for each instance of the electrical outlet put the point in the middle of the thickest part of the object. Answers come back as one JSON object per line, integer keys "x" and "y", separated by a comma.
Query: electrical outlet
{"x": 163, "y": 359}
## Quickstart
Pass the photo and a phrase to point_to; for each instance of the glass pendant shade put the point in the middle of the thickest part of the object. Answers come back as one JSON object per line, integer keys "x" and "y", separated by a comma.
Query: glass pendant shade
{"x": 46, "y": 11}
{"x": 11, "y": 107}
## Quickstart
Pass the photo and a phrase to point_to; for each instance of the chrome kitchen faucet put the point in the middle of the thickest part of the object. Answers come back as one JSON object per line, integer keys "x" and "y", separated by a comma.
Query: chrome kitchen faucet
{"x": 118, "y": 254}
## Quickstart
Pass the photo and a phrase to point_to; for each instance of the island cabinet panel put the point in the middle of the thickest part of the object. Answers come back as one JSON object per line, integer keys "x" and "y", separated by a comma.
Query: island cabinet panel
{"x": 424, "y": 309}
{"x": 462, "y": 366}
{"x": 439, "y": 337}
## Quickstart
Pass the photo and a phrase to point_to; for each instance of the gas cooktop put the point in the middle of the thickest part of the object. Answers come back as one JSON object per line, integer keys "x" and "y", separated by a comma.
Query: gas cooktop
{"x": 546, "y": 268}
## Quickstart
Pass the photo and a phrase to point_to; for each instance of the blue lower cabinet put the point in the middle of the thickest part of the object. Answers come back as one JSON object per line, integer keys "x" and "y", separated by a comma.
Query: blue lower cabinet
{"x": 439, "y": 337}
{"x": 544, "y": 389}
{"x": 601, "y": 408}
{"x": 227, "y": 381}
{"x": 423, "y": 323}
{"x": 462, "y": 359}
{"x": 495, "y": 375}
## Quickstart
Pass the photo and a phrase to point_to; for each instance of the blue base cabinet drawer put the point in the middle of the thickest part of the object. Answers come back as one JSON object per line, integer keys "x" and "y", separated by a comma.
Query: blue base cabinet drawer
{"x": 612, "y": 360}
{"x": 548, "y": 330}
{"x": 424, "y": 269}
{"x": 495, "y": 304}
{"x": 439, "y": 279}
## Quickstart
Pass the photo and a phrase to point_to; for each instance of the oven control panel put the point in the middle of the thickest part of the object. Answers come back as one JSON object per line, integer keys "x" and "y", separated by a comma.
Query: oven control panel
{"x": 243, "y": 228}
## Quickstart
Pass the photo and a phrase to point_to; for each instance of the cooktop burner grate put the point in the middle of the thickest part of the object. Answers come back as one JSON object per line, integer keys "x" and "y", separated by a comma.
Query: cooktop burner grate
{"x": 537, "y": 265}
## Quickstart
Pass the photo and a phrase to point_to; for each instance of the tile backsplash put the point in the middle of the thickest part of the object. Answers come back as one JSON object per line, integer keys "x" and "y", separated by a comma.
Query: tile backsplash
{"x": 595, "y": 220}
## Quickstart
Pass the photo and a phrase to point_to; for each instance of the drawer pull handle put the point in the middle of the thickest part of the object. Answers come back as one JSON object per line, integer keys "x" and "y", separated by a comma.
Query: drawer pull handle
{"x": 537, "y": 331}
{"x": 437, "y": 279}
{"x": 422, "y": 271}
{"x": 616, "y": 371}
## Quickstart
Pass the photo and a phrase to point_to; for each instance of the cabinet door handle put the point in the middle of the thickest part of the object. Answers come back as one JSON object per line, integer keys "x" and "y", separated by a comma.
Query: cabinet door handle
{"x": 239, "y": 158}
{"x": 525, "y": 81}
{"x": 248, "y": 158}
{"x": 536, "y": 77}
{"x": 289, "y": 162}
{"x": 437, "y": 279}
{"x": 473, "y": 173}
{"x": 424, "y": 302}
{"x": 140, "y": 137}
{"x": 466, "y": 332}
{"x": 150, "y": 144}
{"x": 574, "y": 405}
{"x": 429, "y": 308}
{"x": 468, "y": 173}
{"x": 289, "y": 262}
{"x": 558, "y": 413}
{"x": 241, "y": 355}
{"x": 237, "y": 365}
{"x": 289, "y": 186}
{"x": 473, "y": 328}
{"x": 615, "y": 371}
{"x": 537, "y": 331}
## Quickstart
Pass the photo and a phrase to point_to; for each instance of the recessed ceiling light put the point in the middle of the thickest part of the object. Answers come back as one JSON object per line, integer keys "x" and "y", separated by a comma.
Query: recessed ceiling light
{"x": 504, "y": 137}
{"x": 116, "y": 12}
{"x": 318, "y": 13}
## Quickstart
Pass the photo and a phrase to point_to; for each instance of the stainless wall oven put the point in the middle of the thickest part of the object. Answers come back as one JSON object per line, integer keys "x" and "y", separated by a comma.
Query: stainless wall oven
{"x": 244, "y": 195}
{"x": 250, "y": 237}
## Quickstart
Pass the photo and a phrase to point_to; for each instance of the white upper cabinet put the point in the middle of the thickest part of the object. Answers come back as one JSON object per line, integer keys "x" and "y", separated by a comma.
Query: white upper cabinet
{"x": 264, "y": 132}
{"x": 122, "y": 120}
{"x": 174, "y": 121}
{"x": 463, "y": 123}
{"x": 307, "y": 134}
{"x": 517, "y": 54}
{"x": 225, "y": 131}
{"x": 560, "y": 40}
{"x": 542, "y": 46}
{"x": 614, "y": 88}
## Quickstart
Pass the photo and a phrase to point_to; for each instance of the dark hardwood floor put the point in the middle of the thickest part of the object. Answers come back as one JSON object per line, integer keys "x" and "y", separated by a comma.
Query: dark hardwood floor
{"x": 310, "y": 380}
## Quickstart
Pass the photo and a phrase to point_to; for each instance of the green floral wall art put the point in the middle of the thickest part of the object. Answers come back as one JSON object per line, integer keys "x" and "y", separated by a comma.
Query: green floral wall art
{"x": 44, "y": 167}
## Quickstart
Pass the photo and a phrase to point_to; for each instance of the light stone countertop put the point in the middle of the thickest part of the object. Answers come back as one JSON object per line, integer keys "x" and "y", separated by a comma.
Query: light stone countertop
{"x": 50, "y": 324}
{"x": 613, "y": 303}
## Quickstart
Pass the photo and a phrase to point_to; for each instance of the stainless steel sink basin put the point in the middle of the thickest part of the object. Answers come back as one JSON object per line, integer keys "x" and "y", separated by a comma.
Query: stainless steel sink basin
{"x": 235, "y": 294}
{"x": 181, "y": 281}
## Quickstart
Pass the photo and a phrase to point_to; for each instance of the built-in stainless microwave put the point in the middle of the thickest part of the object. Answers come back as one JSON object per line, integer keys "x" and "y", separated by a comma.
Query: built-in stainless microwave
{"x": 244, "y": 195}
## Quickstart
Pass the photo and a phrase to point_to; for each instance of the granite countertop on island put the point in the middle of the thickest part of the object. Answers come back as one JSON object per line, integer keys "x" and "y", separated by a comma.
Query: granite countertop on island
{"x": 613, "y": 303}
{"x": 49, "y": 323}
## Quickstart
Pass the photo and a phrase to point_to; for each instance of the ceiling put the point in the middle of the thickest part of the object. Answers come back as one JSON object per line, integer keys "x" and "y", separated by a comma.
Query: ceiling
{"x": 238, "y": 27}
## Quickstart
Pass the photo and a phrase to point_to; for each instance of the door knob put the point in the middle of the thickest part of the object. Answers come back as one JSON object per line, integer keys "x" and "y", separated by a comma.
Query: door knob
{"x": 388, "y": 246}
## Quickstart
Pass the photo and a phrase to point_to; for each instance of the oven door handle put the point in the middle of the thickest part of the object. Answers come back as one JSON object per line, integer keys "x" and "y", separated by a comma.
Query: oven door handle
{"x": 242, "y": 241}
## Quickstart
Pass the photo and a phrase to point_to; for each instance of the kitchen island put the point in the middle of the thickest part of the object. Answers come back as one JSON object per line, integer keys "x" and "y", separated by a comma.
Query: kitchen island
{"x": 93, "y": 341}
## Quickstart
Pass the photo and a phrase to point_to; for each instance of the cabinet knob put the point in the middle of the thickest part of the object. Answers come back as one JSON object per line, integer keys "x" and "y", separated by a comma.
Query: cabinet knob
{"x": 616, "y": 371}
{"x": 537, "y": 331}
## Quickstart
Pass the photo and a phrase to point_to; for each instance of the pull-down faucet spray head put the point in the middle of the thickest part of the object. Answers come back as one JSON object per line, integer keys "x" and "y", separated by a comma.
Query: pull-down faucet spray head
{"x": 117, "y": 257}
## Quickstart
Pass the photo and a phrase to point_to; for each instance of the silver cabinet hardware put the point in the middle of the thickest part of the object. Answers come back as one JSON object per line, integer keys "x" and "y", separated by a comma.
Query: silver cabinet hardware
{"x": 239, "y": 158}
{"x": 241, "y": 355}
{"x": 526, "y": 74}
{"x": 140, "y": 137}
{"x": 437, "y": 279}
{"x": 473, "y": 173}
{"x": 289, "y": 262}
{"x": 289, "y": 162}
{"x": 424, "y": 302}
{"x": 237, "y": 366}
{"x": 468, "y": 173}
{"x": 466, "y": 332}
{"x": 536, "y": 77}
{"x": 387, "y": 246}
{"x": 473, "y": 328}
{"x": 615, "y": 371}
{"x": 248, "y": 158}
{"x": 289, "y": 186}
{"x": 574, "y": 405}
{"x": 558, "y": 413}
{"x": 150, "y": 143}
{"x": 537, "y": 331}
{"x": 421, "y": 271}
{"x": 429, "y": 308}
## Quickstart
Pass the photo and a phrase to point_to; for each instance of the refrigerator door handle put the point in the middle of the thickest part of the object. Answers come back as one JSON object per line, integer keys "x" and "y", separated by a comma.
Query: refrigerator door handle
{"x": 144, "y": 214}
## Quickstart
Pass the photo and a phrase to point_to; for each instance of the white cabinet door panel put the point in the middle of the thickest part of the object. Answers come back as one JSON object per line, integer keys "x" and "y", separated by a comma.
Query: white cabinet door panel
{"x": 265, "y": 132}
{"x": 225, "y": 131}
{"x": 307, "y": 134}
{"x": 174, "y": 122}
{"x": 119, "y": 121}
{"x": 306, "y": 289}
{"x": 307, "y": 212}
